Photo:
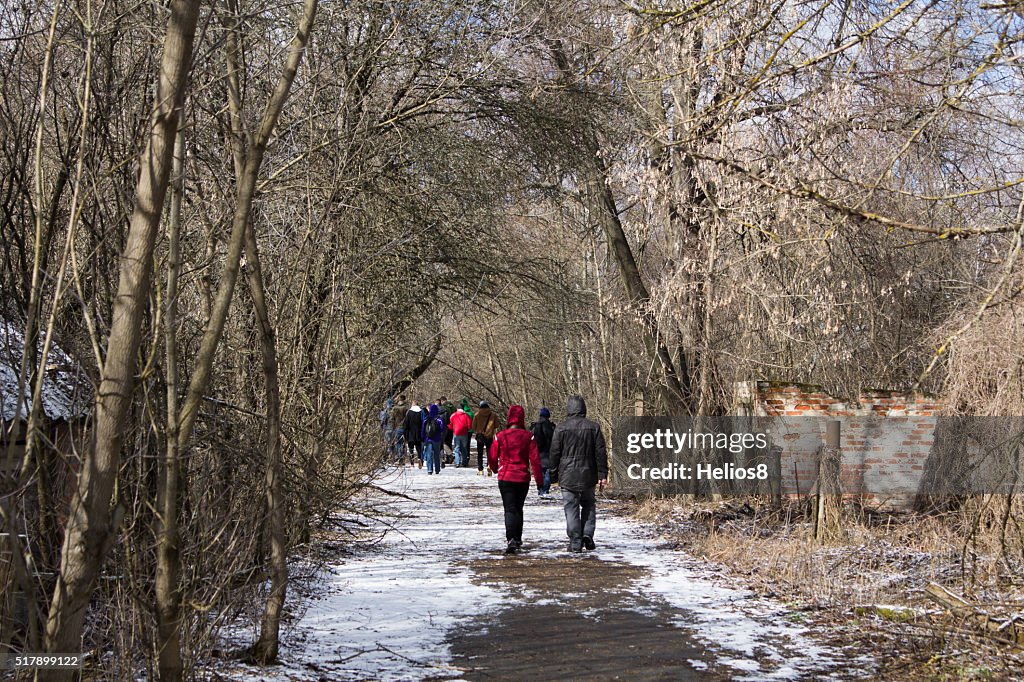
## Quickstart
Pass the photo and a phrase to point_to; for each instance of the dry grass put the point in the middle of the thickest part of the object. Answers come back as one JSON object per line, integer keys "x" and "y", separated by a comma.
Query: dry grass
{"x": 873, "y": 577}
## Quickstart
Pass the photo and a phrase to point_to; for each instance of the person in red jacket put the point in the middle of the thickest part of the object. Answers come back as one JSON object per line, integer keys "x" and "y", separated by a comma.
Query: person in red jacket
{"x": 514, "y": 457}
{"x": 459, "y": 426}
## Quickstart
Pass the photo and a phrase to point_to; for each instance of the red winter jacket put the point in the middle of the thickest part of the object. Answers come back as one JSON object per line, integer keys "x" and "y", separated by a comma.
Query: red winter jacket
{"x": 459, "y": 423}
{"x": 514, "y": 453}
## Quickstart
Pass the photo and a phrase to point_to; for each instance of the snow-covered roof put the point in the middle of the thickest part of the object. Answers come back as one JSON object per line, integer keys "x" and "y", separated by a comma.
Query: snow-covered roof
{"x": 67, "y": 392}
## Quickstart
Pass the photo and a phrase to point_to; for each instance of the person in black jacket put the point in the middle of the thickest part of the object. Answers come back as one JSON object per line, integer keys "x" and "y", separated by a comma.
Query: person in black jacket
{"x": 542, "y": 431}
{"x": 578, "y": 462}
{"x": 414, "y": 433}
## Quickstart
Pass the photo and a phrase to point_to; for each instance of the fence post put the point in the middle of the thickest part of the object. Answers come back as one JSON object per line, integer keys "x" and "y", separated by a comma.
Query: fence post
{"x": 775, "y": 474}
{"x": 829, "y": 501}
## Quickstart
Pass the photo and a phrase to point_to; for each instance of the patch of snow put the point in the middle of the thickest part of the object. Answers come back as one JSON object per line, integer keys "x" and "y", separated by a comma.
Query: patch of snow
{"x": 744, "y": 628}
{"x": 385, "y": 616}
{"x": 67, "y": 393}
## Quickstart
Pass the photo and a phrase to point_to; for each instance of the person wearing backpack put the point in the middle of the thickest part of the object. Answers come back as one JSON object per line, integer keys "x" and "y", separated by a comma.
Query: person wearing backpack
{"x": 542, "y": 430}
{"x": 433, "y": 437}
{"x": 514, "y": 458}
{"x": 485, "y": 425}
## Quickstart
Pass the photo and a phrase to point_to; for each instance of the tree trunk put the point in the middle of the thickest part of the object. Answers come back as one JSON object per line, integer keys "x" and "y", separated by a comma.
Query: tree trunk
{"x": 168, "y": 555}
{"x": 677, "y": 390}
{"x": 828, "y": 502}
{"x": 409, "y": 377}
{"x": 89, "y": 531}
{"x": 266, "y": 647}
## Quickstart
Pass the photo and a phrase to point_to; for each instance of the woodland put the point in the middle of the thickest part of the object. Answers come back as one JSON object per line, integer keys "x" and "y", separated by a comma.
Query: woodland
{"x": 247, "y": 223}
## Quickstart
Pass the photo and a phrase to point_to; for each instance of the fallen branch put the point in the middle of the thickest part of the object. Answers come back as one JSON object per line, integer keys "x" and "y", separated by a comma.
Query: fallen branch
{"x": 1009, "y": 630}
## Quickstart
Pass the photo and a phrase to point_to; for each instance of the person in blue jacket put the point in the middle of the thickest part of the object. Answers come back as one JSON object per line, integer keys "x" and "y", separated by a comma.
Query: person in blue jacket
{"x": 433, "y": 435}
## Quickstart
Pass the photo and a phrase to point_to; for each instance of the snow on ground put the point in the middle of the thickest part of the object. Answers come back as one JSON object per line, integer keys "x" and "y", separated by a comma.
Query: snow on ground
{"x": 384, "y": 614}
{"x": 746, "y": 630}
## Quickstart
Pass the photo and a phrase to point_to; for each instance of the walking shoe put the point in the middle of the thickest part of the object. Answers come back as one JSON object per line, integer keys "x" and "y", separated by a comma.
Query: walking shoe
{"x": 489, "y": 473}
{"x": 575, "y": 547}
{"x": 512, "y": 547}
{"x": 588, "y": 542}
{"x": 479, "y": 472}
{"x": 421, "y": 464}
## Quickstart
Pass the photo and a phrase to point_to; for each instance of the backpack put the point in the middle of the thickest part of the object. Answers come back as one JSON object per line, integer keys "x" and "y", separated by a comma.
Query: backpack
{"x": 431, "y": 428}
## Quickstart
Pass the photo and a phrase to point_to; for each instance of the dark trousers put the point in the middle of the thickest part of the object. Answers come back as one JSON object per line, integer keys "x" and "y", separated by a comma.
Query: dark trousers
{"x": 513, "y": 496}
{"x": 483, "y": 447}
{"x": 415, "y": 451}
{"x": 580, "y": 513}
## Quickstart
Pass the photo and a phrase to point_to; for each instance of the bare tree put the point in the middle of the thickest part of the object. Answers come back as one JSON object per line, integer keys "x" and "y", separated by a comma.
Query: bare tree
{"x": 90, "y": 529}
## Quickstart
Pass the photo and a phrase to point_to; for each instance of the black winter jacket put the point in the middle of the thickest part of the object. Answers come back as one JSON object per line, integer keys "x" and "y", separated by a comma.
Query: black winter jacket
{"x": 413, "y": 426}
{"x": 542, "y": 432}
{"x": 578, "y": 459}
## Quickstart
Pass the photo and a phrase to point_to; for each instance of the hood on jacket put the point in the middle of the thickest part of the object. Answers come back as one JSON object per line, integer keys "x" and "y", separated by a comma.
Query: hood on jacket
{"x": 414, "y": 408}
{"x": 460, "y": 411}
{"x": 576, "y": 406}
{"x": 516, "y": 416}
{"x": 433, "y": 411}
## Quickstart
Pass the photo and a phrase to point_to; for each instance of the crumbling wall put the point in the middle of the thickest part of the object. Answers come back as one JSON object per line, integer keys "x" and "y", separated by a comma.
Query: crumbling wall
{"x": 883, "y": 460}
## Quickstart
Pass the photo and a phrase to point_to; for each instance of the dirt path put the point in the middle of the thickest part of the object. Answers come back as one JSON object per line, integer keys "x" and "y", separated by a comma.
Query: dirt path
{"x": 439, "y": 600}
{"x": 575, "y": 618}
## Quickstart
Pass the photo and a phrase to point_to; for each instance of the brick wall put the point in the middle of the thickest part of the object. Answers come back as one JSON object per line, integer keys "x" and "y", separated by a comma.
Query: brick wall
{"x": 883, "y": 460}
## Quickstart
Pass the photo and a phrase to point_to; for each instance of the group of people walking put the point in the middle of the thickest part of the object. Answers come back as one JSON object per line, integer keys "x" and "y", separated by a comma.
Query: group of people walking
{"x": 571, "y": 454}
{"x": 420, "y": 434}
